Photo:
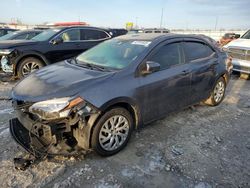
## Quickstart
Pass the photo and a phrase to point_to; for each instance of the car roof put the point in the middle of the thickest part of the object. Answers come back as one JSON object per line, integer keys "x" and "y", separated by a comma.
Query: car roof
{"x": 9, "y": 29}
{"x": 28, "y": 31}
{"x": 80, "y": 26}
{"x": 143, "y": 36}
{"x": 163, "y": 36}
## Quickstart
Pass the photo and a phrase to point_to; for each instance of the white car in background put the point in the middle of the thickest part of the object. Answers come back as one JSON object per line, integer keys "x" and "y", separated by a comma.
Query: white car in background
{"x": 239, "y": 50}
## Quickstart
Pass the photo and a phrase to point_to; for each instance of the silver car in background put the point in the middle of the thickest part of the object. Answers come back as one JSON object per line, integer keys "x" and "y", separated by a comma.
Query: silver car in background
{"x": 239, "y": 50}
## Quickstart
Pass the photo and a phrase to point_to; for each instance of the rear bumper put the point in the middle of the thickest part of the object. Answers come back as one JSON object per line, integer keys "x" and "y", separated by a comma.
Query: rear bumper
{"x": 241, "y": 66}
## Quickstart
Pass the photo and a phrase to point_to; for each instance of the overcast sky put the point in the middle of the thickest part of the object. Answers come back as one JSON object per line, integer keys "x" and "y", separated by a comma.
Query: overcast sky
{"x": 201, "y": 14}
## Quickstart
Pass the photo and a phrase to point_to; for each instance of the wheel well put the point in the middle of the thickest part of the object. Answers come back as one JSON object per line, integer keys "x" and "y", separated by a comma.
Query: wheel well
{"x": 225, "y": 77}
{"x": 28, "y": 56}
{"x": 131, "y": 109}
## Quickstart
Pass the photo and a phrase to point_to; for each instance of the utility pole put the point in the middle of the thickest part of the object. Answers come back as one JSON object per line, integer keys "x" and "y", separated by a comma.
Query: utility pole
{"x": 136, "y": 22}
{"x": 216, "y": 22}
{"x": 161, "y": 17}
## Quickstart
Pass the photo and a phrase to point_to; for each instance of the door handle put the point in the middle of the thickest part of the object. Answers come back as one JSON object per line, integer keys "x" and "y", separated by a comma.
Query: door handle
{"x": 185, "y": 72}
{"x": 77, "y": 45}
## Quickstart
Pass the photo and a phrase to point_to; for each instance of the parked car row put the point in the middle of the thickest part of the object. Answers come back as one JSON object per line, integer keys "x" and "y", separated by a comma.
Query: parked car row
{"x": 5, "y": 31}
{"x": 21, "y": 57}
{"x": 21, "y": 35}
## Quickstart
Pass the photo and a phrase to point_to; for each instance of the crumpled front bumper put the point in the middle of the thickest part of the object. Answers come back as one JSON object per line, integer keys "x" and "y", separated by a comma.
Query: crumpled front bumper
{"x": 32, "y": 144}
{"x": 22, "y": 136}
{"x": 6, "y": 67}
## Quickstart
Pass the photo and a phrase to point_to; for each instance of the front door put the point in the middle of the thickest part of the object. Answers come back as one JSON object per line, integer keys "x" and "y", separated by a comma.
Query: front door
{"x": 168, "y": 89}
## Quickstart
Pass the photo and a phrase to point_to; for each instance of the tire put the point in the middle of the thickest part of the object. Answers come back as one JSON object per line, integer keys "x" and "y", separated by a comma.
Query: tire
{"x": 244, "y": 76}
{"x": 218, "y": 93}
{"x": 28, "y": 65}
{"x": 103, "y": 132}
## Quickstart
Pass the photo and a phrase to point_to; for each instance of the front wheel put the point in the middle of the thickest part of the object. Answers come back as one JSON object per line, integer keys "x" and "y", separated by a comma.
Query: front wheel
{"x": 27, "y": 66}
{"x": 112, "y": 132}
{"x": 218, "y": 93}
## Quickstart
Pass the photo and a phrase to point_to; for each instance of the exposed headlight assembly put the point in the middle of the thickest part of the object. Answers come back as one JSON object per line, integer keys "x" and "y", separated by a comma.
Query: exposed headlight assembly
{"x": 55, "y": 108}
{"x": 6, "y": 51}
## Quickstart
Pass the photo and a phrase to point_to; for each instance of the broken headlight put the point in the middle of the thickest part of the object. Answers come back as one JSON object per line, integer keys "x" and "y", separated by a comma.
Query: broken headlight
{"x": 6, "y": 51}
{"x": 55, "y": 108}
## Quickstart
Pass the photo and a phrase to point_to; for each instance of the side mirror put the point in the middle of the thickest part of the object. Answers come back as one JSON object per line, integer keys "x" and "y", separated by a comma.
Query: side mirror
{"x": 237, "y": 36}
{"x": 151, "y": 67}
{"x": 57, "y": 41}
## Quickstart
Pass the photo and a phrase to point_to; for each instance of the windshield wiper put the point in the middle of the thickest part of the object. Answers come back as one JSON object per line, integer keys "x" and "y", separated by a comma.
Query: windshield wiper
{"x": 90, "y": 65}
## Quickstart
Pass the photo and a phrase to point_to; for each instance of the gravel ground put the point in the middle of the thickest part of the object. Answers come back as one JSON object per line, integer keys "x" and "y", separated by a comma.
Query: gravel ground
{"x": 202, "y": 147}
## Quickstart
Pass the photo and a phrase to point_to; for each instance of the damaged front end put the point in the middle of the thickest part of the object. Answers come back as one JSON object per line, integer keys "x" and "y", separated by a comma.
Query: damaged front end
{"x": 54, "y": 127}
{"x": 6, "y": 64}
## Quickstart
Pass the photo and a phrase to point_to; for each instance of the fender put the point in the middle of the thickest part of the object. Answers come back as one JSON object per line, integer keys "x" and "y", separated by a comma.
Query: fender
{"x": 29, "y": 54}
{"x": 32, "y": 53}
{"x": 127, "y": 100}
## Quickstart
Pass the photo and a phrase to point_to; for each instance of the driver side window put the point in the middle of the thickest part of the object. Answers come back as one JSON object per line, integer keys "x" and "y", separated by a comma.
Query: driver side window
{"x": 71, "y": 35}
{"x": 168, "y": 55}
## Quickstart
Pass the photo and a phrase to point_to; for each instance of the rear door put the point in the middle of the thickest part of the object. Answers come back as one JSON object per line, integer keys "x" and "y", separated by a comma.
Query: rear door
{"x": 202, "y": 61}
{"x": 91, "y": 37}
{"x": 168, "y": 89}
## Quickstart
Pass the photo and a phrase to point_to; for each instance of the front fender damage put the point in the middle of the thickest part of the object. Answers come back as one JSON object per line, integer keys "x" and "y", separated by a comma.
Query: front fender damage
{"x": 68, "y": 137}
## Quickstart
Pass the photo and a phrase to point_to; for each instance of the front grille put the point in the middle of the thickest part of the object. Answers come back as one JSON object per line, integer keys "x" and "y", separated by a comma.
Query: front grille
{"x": 23, "y": 107}
{"x": 241, "y": 54}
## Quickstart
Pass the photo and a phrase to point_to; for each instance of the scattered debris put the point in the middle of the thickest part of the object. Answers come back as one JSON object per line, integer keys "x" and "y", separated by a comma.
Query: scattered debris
{"x": 177, "y": 150}
{"x": 168, "y": 167}
{"x": 218, "y": 139}
{"x": 203, "y": 185}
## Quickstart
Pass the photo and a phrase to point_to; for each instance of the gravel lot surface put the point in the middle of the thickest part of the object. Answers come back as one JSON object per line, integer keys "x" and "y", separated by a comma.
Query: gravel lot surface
{"x": 200, "y": 147}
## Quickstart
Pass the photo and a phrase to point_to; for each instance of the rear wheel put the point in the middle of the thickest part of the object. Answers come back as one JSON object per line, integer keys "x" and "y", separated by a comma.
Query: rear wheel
{"x": 112, "y": 132}
{"x": 27, "y": 66}
{"x": 218, "y": 93}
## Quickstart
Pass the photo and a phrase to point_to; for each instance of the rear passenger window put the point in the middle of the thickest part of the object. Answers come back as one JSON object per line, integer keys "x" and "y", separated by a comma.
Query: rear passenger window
{"x": 92, "y": 34}
{"x": 196, "y": 50}
{"x": 168, "y": 55}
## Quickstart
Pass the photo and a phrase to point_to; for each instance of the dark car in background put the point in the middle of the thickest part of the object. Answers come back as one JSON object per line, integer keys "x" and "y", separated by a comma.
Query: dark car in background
{"x": 228, "y": 37}
{"x": 156, "y": 30}
{"x": 95, "y": 100}
{"x": 21, "y": 35}
{"x": 118, "y": 32}
{"x": 21, "y": 57}
{"x": 5, "y": 31}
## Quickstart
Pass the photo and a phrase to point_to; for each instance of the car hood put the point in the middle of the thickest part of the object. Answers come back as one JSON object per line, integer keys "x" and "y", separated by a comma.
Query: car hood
{"x": 58, "y": 80}
{"x": 241, "y": 43}
{"x": 15, "y": 43}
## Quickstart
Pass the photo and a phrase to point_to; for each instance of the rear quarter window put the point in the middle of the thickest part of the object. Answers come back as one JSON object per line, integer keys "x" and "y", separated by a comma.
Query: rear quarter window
{"x": 197, "y": 50}
{"x": 92, "y": 34}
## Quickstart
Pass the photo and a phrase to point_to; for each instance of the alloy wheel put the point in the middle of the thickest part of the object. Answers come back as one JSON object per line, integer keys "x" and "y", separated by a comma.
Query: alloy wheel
{"x": 114, "y": 132}
{"x": 30, "y": 67}
{"x": 219, "y": 91}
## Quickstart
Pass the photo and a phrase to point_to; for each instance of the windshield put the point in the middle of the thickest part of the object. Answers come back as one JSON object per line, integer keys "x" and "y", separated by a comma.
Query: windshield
{"x": 46, "y": 35}
{"x": 8, "y": 36}
{"x": 115, "y": 53}
{"x": 246, "y": 35}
